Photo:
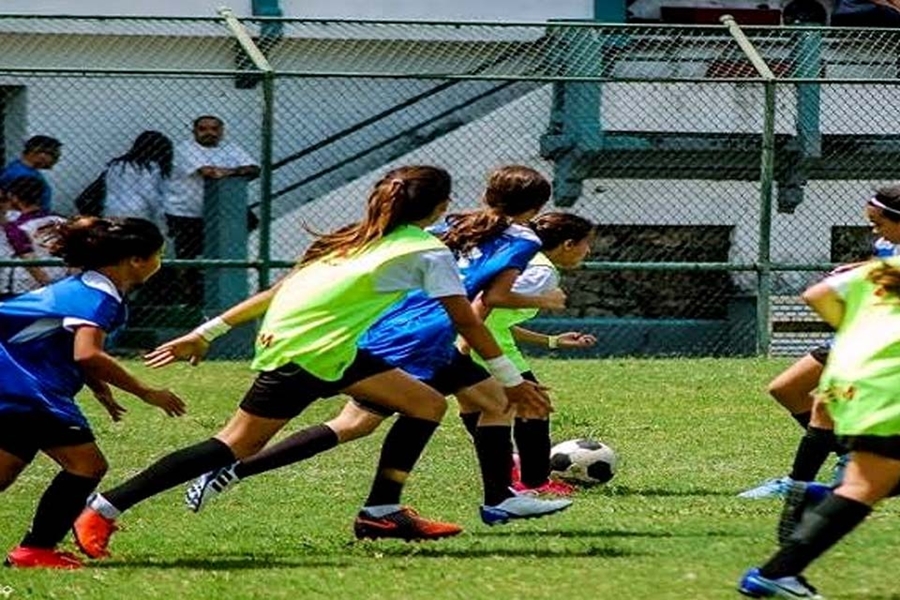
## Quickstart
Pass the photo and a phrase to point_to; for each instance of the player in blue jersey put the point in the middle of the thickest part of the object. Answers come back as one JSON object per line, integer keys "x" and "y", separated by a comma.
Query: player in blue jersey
{"x": 492, "y": 246}
{"x": 51, "y": 344}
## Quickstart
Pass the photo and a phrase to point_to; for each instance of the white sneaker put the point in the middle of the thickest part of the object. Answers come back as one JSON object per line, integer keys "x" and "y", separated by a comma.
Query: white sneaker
{"x": 208, "y": 486}
{"x": 521, "y": 506}
{"x": 773, "y": 488}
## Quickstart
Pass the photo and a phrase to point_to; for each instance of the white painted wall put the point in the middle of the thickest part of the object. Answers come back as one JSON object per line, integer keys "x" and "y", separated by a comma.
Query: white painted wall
{"x": 468, "y": 10}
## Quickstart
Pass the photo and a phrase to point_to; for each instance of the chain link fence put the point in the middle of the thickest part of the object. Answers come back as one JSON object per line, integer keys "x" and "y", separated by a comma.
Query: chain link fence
{"x": 726, "y": 168}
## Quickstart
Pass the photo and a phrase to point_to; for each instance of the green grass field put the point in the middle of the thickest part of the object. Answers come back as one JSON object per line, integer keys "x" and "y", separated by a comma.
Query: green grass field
{"x": 690, "y": 435}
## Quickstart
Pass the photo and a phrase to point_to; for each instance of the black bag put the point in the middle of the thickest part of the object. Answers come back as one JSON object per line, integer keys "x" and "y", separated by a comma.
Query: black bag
{"x": 91, "y": 201}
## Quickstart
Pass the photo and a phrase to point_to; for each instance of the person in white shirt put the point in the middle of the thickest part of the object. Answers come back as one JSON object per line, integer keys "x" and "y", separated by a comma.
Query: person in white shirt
{"x": 205, "y": 156}
{"x": 137, "y": 181}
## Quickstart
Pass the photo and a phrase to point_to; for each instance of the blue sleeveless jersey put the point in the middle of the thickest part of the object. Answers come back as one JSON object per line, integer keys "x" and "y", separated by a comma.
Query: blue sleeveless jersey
{"x": 416, "y": 334}
{"x": 37, "y": 362}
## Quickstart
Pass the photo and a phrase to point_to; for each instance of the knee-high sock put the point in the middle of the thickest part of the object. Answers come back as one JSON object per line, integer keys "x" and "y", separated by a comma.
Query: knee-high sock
{"x": 169, "y": 471}
{"x": 533, "y": 441}
{"x": 820, "y": 529}
{"x": 815, "y": 446}
{"x": 294, "y": 448}
{"x": 61, "y": 503}
{"x": 400, "y": 451}
{"x": 493, "y": 444}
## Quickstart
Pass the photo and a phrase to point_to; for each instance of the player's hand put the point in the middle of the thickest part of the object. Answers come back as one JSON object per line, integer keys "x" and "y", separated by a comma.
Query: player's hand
{"x": 103, "y": 393}
{"x": 575, "y": 339}
{"x": 530, "y": 398}
{"x": 166, "y": 400}
{"x": 553, "y": 300}
{"x": 190, "y": 347}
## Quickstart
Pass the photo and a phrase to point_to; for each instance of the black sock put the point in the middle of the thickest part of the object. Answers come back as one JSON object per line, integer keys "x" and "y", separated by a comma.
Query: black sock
{"x": 533, "y": 441}
{"x": 470, "y": 421}
{"x": 820, "y": 529}
{"x": 803, "y": 418}
{"x": 61, "y": 503}
{"x": 493, "y": 444}
{"x": 815, "y": 446}
{"x": 169, "y": 471}
{"x": 294, "y": 448}
{"x": 400, "y": 451}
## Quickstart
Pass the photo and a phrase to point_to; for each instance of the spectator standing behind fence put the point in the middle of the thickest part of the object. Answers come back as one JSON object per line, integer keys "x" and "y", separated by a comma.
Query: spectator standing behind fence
{"x": 41, "y": 152}
{"x": 204, "y": 157}
{"x": 136, "y": 183}
{"x": 24, "y": 238}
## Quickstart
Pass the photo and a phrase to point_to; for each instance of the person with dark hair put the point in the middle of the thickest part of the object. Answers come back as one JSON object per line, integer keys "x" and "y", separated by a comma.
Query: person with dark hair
{"x": 51, "y": 344}
{"x": 860, "y": 390}
{"x": 23, "y": 236}
{"x": 866, "y": 13}
{"x": 492, "y": 246}
{"x": 137, "y": 181}
{"x": 41, "y": 153}
{"x": 307, "y": 348}
{"x": 565, "y": 242}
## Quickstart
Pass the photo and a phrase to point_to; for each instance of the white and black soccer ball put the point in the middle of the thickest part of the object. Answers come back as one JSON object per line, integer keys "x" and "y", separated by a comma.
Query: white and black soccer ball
{"x": 583, "y": 462}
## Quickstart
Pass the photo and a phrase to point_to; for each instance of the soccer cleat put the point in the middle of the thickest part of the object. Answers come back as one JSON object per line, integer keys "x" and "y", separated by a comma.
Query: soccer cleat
{"x": 754, "y": 585}
{"x": 208, "y": 486}
{"x": 840, "y": 467}
{"x": 549, "y": 487}
{"x": 521, "y": 506}
{"x": 801, "y": 495}
{"x": 23, "y": 557}
{"x": 404, "y": 524}
{"x": 773, "y": 488}
{"x": 92, "y": 532}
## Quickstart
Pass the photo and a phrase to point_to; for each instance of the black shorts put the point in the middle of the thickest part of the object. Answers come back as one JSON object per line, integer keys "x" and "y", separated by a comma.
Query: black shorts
{"x": 820, "y": 353}
{"x": 23, "y": 434}
{"x": 886, "y": 446}
{"x": 460, "y": 373}
{"x": 529, "y": 376}
{"x": 285, "y": 392}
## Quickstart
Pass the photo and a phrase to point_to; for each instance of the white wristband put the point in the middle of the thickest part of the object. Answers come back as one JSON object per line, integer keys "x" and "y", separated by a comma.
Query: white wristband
{"x": 212, "y": 329}
{"x": 553, "y": 342}
{"x": 504, "y": 371}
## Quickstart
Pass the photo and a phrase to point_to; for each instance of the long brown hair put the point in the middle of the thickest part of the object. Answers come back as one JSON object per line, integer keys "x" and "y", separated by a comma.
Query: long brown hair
{"x": 511, "y": 191}
{"x": 403, "y": 195}
{"x": 887, "y": 278}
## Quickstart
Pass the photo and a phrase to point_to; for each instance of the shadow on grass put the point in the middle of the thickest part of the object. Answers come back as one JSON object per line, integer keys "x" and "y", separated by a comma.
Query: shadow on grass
{"x": 436, "y": 552}
{"x": 601, "y": 533}
{"x": 624, "y": 490}
{"x": 223, "y": 562}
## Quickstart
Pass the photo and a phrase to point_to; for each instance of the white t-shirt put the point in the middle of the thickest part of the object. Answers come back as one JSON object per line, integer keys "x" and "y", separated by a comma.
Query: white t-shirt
{"x": 132, "y": 191}
{"x": 185, "y": 194}
{"x": 20, "y": 280}
{"x": 433, "y": 271}
{"x": 536, "y": 279}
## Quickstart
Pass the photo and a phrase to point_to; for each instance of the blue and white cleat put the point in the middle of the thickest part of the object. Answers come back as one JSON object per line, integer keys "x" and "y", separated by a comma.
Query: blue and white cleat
{"x": 773, "y": 488}
{"x": 754, "y": 585}
{"x": 521, "y": 506}
{"x": 801, "y": 495}
{"x": 208, "y": 486}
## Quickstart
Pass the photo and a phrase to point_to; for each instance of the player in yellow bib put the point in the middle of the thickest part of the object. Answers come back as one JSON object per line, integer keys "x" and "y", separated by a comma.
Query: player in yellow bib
{"x": 565, "y": 241}
{"x": 307, "y": 349}
{"x": 860, "y": 389}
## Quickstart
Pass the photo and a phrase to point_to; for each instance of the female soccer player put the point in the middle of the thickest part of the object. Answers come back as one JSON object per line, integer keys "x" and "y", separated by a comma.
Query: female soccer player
{"x": 492, "y": 246}
{"x": 51, "y": 344}
{"x": 307, "y": 349}
{"x": 793, "y": 388}
{"x": 860, "y": 388}
{"x": 565, "y": 241}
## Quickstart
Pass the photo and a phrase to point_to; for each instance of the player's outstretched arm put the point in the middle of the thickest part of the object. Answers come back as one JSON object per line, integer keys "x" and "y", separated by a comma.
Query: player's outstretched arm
{"x": 822, "y": 298}
{"x": 194, "y": 345}
{"x": 569, "y": 339}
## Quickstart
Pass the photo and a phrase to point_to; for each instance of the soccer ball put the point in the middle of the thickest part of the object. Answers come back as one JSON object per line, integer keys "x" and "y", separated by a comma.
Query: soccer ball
{"x": 583, "y": 461}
